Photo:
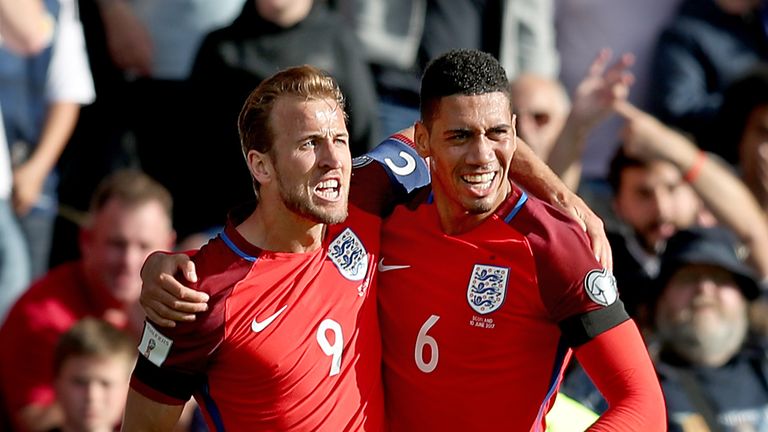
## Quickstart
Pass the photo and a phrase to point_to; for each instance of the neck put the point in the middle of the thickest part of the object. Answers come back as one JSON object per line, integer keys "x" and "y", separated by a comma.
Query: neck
{"x": 281, "y": 231}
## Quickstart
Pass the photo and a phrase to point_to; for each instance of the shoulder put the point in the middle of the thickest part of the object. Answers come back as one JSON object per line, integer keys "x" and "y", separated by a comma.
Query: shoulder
{"x": 549, "y": 231}
{"x": 58, "y": 289}
{"x": 387, "y": 174}
{"x": 222, "y": 262}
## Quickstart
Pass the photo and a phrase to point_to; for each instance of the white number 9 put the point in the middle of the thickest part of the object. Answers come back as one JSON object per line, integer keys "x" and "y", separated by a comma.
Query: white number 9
{"x": 334, "y": 350}
{"x": 423, "y": 340}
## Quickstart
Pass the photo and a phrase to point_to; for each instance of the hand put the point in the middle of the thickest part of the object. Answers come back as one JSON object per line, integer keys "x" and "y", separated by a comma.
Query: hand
{"x": 574, "y": 206}
{"x": 28, "y": 183}
{"x": 602, "y": 88}
{"x": 129, "y": 42}
{"x": 164, "y": 298}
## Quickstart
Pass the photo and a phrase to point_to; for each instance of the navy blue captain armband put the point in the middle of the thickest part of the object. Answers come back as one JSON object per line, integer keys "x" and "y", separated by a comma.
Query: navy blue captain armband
{"x": 404, "y": 166}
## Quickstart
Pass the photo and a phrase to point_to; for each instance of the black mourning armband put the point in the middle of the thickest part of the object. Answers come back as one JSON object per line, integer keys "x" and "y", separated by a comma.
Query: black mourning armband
{"x": 170, "y": 382}
{"x": 580, "y": 329}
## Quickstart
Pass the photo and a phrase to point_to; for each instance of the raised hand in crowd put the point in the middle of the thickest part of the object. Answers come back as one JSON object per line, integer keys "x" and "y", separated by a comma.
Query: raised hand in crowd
{"x": 593, "y": 101}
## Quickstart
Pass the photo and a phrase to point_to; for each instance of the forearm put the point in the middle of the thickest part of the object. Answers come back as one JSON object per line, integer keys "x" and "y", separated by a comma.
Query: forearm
{"x": 619, "y": 365}
{"x": 145, "y": 415}
{"x": 59, "y": 125}
{"x": 536, "y": 177}
{"x": 739, "y": 211}
{"x": 25, "y": 26}
{"x": 713, "y": 182}
{"x": 565, "y": 158}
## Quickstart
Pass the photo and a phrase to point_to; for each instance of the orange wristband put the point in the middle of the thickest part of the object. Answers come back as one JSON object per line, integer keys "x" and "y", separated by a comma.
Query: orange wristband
{"x": 693, "y": 172}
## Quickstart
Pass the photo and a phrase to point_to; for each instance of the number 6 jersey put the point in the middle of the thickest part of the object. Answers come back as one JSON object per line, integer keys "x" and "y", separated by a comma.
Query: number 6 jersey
{"x": 477, "y": 326}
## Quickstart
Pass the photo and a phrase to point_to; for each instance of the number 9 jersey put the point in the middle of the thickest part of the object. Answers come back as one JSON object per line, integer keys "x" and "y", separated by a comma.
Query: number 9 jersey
{"x": 290, "y": 341}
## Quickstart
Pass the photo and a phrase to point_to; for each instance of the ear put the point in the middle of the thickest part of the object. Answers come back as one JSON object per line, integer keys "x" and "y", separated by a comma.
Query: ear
{"x": 421, "y": 139}
{"x": 261, "y": 166}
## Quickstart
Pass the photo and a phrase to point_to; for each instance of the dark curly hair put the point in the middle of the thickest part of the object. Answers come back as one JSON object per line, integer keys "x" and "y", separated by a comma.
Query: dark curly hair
{"x": 460, "y": 72}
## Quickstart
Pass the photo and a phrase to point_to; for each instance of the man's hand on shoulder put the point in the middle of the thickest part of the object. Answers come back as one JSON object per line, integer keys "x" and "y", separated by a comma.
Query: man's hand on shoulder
{"x": 165, "y": 298}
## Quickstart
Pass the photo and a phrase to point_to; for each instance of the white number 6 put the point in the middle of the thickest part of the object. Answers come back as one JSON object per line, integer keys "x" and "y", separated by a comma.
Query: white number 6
{"x": 338, "y": 343}
{"x": 423, "y": 340}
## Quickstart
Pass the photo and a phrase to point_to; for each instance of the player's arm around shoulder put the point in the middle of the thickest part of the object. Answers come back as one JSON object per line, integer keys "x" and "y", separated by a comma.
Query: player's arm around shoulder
{"x": 146, "y": 415}
{"x": 618, "y": 363}
{"x": 387, "y": 174}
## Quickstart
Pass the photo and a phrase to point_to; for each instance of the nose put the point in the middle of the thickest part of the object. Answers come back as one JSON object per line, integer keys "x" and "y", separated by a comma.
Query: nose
{"x": 481, "y": 151}
{"x": 663, "y": 204}
{"x": 92, "y": 391}
{"x": 705, "y": 285}
{"x": 331, "y": 154}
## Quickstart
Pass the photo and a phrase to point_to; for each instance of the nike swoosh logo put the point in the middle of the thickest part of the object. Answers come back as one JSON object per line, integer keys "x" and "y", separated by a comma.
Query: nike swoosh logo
{"x": 384, "y": 268}
{"x": 257, "y": 326}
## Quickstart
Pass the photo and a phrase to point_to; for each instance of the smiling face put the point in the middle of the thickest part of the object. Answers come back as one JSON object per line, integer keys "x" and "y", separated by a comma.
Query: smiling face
{"x": 470, "y": 141}
{"x": 309, "y": 166}
{"x": 702, "y": 314}
{"x": 119, "y": 239}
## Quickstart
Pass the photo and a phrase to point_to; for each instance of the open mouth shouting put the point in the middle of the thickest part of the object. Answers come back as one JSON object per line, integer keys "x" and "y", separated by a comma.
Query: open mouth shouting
{"x": 329, "y": 190}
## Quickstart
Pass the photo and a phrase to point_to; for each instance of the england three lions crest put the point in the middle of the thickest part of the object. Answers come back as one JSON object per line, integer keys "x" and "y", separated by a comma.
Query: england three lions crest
{"x": 487, "y": 288}
{"x": 349, "y": 255}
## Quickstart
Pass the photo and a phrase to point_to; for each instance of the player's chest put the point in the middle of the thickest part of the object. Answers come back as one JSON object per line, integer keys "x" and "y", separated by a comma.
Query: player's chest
{"x": 460, "y": 287}
{"x": 292, "y": 309}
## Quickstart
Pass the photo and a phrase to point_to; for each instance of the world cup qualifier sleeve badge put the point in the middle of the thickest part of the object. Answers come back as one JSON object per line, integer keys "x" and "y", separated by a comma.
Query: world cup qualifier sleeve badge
{"x": 347, "y": 252}
{"x": 487, "y": 288}
{"x": 601, "y": 287}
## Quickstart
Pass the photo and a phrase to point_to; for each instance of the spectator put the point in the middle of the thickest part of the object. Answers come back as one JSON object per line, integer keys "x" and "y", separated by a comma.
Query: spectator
{"x": 583, "y": 29}
{"x": 42, "y": 95}
{"x": 26, "y": 27}
{"x": 541, "y": 106}
{"x": 663, "y": 183}
{"x": 268, "y": 35}
{"x": 707, "y": 46}
{"x": 92, "y": 367}
{"x": 742, "y": 138}
{"x": 141, "y": 55}
{"x": 709, "y": 374}
{"x": 401, "y": 36}
{"x": 600, "y": 89}
{"x": 130, "y": 217}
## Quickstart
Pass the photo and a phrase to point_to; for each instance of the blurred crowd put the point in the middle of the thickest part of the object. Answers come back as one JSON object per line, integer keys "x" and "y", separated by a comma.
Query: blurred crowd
{"x": 118, "y": 137}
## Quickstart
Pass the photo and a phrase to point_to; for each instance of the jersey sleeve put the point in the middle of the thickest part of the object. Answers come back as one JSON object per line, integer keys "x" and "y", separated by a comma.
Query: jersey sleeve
{"x": 578, "y": 293}
{"x": 386, "y": 175}
{"x": 173, "y": 362}
{"x": 618, "y": 363}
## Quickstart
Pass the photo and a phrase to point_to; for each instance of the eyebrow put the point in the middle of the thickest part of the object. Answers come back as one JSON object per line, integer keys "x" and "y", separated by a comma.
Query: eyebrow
{"x": 315, "y": 135}
{"x": 472, "y": 130}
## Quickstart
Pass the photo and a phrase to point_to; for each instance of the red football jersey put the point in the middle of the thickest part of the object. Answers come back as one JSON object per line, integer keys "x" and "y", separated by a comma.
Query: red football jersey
{"x": 290, "y": 341}
{"x": 477, "y": 327}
